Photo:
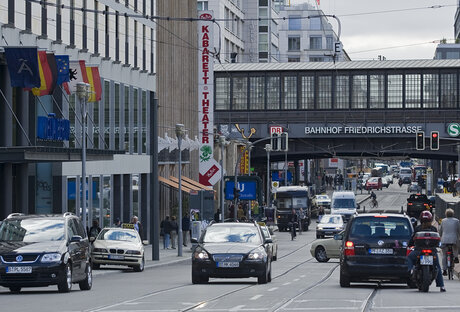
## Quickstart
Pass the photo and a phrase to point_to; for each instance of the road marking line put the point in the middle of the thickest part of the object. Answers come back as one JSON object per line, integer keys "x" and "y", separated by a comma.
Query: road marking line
{"x": 256, "y": 297}
{"x": 237, "y": 308}
{"x": 296, "y": 280}
{"x": 272, "y": 289}
{"x": 287, "y": 283}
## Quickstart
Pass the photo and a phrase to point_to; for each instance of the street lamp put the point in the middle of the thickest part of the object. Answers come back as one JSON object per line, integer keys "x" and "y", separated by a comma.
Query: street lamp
{"x": 268, "y": 148}
{"x": 180, "y": 133}
{"x": 222, "y": 144}
{"x": 83, "y": 95}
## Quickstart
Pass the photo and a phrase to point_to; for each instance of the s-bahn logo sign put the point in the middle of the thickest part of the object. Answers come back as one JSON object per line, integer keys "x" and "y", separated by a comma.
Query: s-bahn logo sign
{"x": 453, "y": 129}
{"x": 364, "y": 130}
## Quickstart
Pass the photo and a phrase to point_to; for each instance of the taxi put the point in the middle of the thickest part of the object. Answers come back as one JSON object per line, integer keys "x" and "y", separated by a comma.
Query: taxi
{"x": 118, "y": 246}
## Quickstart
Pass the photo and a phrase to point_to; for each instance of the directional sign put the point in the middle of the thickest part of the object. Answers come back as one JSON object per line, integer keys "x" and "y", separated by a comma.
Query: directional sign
{"x": 248, "y": 190}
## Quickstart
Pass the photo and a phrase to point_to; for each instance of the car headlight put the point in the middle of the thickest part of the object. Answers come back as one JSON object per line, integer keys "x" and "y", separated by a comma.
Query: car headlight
{"x": 257, "y": 254}
{"x": 338, "y": 227}
{"x": 100, "y": 250}
{"x": 201, "y": 255}
{"x": 319, "y": 227}
{"x": 51, "y": 257}
{"x": 133, "y": 252}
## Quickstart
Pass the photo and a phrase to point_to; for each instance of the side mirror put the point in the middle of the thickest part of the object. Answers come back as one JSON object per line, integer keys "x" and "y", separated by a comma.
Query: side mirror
{"x": 194, "y": 240}
{"x": 76, "y": 239}
{"x": 145, "y": 242}
{"x": 268, "y": 241}
{"x": 91, "y": 239}
{"x": 338, "y": 236}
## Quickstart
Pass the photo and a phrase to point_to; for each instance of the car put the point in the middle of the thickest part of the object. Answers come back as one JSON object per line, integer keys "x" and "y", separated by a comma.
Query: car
{"x": 405, "y": 174}
{"x": 385, "y": 182}
{"x": 44, "y": 250}
{"x": 374, "y": 183}
{"x": 374, "y": 248}
{"x": 414, "y": 188}
{"x": 320, "y": 200}
{"x": 232, "y": 250}
{"x": 118, "y": 246}
{"x": 325, "y": 249}
{"x": 269, "y": 234}
{"x": 329, "y": 225}
{"x": 416, "y": 203}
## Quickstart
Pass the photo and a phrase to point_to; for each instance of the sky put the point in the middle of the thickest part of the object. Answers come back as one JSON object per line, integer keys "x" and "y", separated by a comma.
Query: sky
{"x": 410, "y": 31}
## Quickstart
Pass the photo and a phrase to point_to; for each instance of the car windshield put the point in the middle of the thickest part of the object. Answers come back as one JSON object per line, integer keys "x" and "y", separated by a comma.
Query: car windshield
{"x": 346, "y": 203}
{"x": 118, "y": 235}
{"x": 381, "y": 227}
{"x": 232, "y": 234}
{"x": 322, "y": 197}
{"x": 32, "y": 230}
{"x": 331, "y": 219}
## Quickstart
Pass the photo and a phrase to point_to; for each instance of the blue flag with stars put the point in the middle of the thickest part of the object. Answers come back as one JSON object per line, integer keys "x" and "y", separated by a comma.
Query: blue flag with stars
{"x": 23, "y": 66}
{"x": 62, "y": 62}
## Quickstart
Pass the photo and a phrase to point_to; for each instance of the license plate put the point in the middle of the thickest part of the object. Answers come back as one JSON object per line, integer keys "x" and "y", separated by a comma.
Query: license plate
{"x": 381, "y": 251}
{"x": 19, "y": 269}
{"x": 426, "y": 260}
{"x": 116, "y": 257}
{"x": 228, "y": 264}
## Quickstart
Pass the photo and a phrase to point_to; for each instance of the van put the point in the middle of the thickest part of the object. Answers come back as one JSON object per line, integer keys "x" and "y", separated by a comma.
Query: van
{"x": 344, "y": 203}
{"x": 405, "y": 174}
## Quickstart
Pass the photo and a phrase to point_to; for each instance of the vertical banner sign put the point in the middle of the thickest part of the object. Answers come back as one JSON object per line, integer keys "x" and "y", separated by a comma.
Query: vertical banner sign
{"x": 209, "y": 168}
{"x": 244, "y": 163}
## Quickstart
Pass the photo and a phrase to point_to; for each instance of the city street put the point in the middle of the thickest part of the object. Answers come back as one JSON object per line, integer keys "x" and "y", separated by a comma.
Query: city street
{"x": 299, "y": 283}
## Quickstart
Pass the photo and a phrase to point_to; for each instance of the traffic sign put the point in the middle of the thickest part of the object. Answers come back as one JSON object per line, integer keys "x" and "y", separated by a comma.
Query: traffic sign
{"x": 453, "y": 129}
{"x": 247, "y": 190}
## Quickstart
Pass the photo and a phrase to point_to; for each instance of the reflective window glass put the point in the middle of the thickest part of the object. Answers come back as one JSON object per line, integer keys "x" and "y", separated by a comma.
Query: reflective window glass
{"x": 273, "y": 92}
{"x": 430, "y": 90}
{"x": 413, "y": 94}
{"x": 377, "y": 91}
{"x": 359, "y": 95}
{"x": 324, "y": 92}
{"x": 395, "y": 91}
{"x": 342, "y": 92}
{"x": 257, "y": 92}
{"x": 449, "y": 90}
{"x": 290, "y": 92}
{"x": 240, "y": 93}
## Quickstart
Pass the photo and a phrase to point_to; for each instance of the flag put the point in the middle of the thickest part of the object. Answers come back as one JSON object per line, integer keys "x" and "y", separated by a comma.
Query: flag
{"x": 62, "y": 62}
{"x": 48, "y": 74}
{"x": 95, "y": 81}
{"x": 23, "y": 67}
{"x": 77, "y": 73}
{"x": 317, "y": 1}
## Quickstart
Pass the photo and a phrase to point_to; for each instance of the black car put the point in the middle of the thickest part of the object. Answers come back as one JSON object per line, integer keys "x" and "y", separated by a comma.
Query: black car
{"x": 43, "y": 250}
{"x": 374, "y": 249}
{"x": 232, "y": 250}
{"x": 416, "y": 203}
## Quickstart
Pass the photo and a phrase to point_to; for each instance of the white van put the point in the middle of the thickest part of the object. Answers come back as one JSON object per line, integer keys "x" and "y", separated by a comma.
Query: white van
{"x": 405, "y": 174}
{"x": 344, "y": 203}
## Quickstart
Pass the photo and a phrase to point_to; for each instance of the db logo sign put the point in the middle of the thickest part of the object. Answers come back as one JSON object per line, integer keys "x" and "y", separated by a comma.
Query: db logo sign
{"x": 453, "y": 129}
{"x": 206, "y": 16}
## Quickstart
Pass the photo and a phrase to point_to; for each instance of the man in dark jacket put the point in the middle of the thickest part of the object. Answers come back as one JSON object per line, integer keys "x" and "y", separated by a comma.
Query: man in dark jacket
{"x": 167, "y": 227}
{"x": 185, "y": 228}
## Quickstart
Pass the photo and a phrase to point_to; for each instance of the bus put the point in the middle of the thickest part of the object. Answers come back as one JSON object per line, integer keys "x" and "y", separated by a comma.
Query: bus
{"x": 385, "y": 168}
{"x": 288, "y": 197}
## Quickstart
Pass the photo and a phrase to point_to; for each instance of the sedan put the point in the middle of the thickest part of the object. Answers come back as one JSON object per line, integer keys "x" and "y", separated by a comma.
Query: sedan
{"x": 269, "y": 234}
{"x": 232, "y": 250}
{"x": 321, "y": 200}
{"x": 414, "y": 188}
{"x": 324, "y": 249}
{"x": 374, "y": 183}
{"x": 329, "y": 225}
{"x": 118, "y": 246}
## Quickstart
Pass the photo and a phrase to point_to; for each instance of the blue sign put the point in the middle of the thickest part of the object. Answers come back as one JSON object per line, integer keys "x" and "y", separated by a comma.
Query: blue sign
{"x": 51, "y": 128}
{"x": 248, "y": 190}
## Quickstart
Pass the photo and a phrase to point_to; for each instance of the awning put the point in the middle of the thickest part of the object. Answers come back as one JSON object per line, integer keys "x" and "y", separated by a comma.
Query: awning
{"x": 188, "y": 185}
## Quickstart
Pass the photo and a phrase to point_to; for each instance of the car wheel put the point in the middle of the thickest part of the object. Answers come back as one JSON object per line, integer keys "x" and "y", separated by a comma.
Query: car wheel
{"x": 65, "y": 284}
{"x": 320, "y": 254}
{"x": 263, "y": 278}
{"x": 344, "y": 280}
{"x": 15, "y": 289}
{"x": 87, "y": 283}
{"x": 140, "y": 267}
{"x": 96, "y": 266}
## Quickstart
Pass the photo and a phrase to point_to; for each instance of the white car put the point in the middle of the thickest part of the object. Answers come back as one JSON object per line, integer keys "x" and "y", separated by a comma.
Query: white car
{"x": 324, "y": 249}
{"x": 118, "y": 246}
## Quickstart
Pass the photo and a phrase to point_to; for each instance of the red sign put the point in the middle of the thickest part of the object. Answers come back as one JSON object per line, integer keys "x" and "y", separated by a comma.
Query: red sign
{"x": 276, "y": 129}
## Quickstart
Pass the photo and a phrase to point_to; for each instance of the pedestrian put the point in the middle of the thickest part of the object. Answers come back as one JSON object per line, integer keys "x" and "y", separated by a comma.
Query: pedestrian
{"x": 117, "y": 222}
{"x": 231, "y": 212}
{"x": 240, "y": 212}
{"x": 137, "y": 225}
{"x": 94, "y": 230}
{"x": 166, "y": 226}
{"x": 174, "y": 230}
{"x": 185, "y": 229}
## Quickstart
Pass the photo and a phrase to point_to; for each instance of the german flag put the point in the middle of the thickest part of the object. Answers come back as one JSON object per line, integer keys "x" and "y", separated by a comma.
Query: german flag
{"x": 48, "y": 74}
{"x": 92, "y": 72}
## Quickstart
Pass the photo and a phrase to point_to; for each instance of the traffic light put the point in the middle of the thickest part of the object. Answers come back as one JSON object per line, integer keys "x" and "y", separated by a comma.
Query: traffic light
{"x": 420, "y": 141}
{"x": 275, "y": 141}
{"x": 434, "y": 140}
{"x": 284, "y": 142}
{"x": 236, "y": 193}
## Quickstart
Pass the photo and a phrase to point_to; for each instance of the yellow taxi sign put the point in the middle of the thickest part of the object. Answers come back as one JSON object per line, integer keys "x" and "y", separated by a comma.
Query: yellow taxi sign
{"x": 127, "y": 226}
{"x": 261, "y": 223}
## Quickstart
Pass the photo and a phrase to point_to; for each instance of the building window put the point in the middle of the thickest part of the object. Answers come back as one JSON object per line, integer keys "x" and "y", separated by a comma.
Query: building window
{"x": 449, "y": 90}
{"x": 395, "y": 91}
{"x": 316, "y": 43}
{"x": 293, "y": 59}
{"x": 202, "y": 5}
{"x": 294, "y": 43}
{"x": 295, "y": 22}
{"x": 329, "y": 43}
{"x": 273, "y": 92}
{"x": 315, "y": 23}
{"x": 257, "y": 92}
{"x": 290, "y": 92}
{"x": 377, "y": 91}
{"x": 359, "y": 97}
{"x": 308, "y": 92}
{"x": 316, "y": 59}
{"x": 430, "y": 90}
{"x": 324, "y": 92}
{"x": 342, "y": 92}
{"x": 413, "y": 87}
{"x": 222, "y": 93}
{"x": 240, "y": 93}
{"x": 263, "y": 3}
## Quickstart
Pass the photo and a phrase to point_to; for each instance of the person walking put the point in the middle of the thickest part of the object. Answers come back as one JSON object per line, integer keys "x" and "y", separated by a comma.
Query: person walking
{"x": 240, "y": 213}
{"x": 185, "y": 228}
{"x": 117, "y": 223}
{"x": 165, "y": 225}
{"x": 174, "y": 230}
{"x": 94, "y": 230}
{"x": 137, "y": 225}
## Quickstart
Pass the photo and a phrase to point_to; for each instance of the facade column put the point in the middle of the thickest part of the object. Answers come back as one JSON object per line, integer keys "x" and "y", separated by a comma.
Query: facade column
{"x": 21, "y": 187}
{"x": 117, "y": 196}
{"x": 127, "y": 195}
{"x": 143, "y": 204}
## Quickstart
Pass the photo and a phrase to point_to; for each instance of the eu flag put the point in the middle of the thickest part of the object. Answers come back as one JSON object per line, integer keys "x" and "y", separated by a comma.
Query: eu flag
{"x": 23, "y": 66}
{"x": 62, "y": 62}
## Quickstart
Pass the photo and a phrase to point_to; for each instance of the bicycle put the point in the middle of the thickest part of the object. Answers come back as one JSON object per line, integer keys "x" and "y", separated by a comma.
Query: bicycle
{"x": 450, "y": 261}
{"x": 374, "y": 203}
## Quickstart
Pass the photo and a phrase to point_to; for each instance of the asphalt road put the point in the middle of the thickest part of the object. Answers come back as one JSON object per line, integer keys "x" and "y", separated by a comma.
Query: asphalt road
{"x": 299, "y": 283}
